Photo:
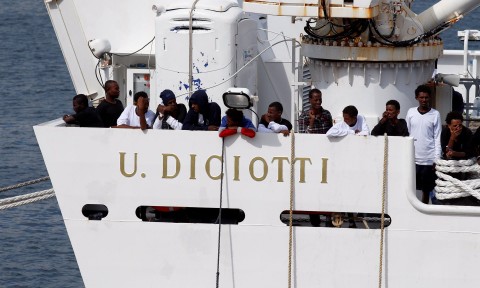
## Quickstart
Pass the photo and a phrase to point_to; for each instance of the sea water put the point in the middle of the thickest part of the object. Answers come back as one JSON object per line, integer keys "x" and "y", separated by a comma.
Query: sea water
{"x": 36, "y": 87}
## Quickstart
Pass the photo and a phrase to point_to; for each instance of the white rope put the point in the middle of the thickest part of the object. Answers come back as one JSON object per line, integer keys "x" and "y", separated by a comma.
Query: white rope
{"x": 26, "y": 199}
{"x": 448, "y": 187}
{"x": 31, "y": 182}
{"x": 467, "y": 162}
{"x": 292, "y": 196}
{"x": 382, "y": 219}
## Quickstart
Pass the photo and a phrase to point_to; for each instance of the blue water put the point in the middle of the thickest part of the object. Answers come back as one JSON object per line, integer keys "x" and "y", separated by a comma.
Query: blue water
{"x": 35, "y": 87}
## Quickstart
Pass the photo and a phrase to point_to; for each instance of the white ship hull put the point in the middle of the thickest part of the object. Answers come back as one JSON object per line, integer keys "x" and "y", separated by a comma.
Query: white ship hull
{"x": 121, "y": 250}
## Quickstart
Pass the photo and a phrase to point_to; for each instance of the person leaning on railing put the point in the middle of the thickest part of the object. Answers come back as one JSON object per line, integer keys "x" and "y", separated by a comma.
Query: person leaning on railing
{"x": 316, "y": 120}
{"x": 456, "y": 139}
{"x": 457, "y": 144}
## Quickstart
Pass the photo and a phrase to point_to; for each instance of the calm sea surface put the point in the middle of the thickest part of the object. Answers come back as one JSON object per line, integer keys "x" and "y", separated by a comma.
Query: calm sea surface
{"x": 35, "y": 87}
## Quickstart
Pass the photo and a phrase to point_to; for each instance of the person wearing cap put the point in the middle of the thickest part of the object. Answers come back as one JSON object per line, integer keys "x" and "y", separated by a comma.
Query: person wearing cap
{"x": 170, "y": 115}
{"x": 202, "y": 115}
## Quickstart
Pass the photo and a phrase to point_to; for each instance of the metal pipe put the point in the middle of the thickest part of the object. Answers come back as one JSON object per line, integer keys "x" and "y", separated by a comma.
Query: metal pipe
{"x": 190, "y": 50}
{"x": 444, "y": 11}
{"x": 465, "y": 53}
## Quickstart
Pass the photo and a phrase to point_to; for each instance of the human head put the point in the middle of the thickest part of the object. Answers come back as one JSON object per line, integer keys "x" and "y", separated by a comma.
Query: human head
{"x": 350, "y": 115}
{"x": 234, "y": 117}
{"x": 275, "y": 110}
{"x": 112, "y": 89}
{"x": 315, "y": 97}
{"x": 140, "y": 94}
{"x": 454, "y": 118}
{"x": 454, "y": 121}
{"x": 168, "y": 97}
{"x": 80, "y": 103}
{"x": 198, "y": 101}
{"x": 392, "y": 108}
{"x": 423, "y": 94}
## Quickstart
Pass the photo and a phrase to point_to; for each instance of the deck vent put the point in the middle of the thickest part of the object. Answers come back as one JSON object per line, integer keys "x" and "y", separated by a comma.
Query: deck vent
{"x": 186, "y": 29}
{"x": 193, "y": 20}
{"x": 168, "y": 214}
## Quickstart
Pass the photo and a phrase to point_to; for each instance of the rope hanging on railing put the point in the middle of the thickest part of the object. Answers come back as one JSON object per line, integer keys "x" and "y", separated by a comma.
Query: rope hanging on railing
{"x": 384, "y": 194}
{"x": 31, "y": 182}
{"x": 292, "y": 194}
{"x": 26, "y": 199}
{"x": 448, "y": 187}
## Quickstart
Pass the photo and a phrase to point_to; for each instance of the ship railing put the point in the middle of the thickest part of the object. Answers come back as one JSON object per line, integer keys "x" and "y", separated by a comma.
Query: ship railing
{"x": 472, "y": 110}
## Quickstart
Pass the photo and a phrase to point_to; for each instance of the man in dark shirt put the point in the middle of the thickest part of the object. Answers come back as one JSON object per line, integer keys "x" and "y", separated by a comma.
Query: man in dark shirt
{"x": 317, "y": 120}
{"x": 85, "y": 116}
{"x": 170, "y": 115}
{"x": 202, "y": 115}
{"x": 390, "y": 123}
{"x": 272, "y": 121}
{"x": 111, "y": 108}
{"x": 457, "y": 101}
{"x": 456, "y": 139}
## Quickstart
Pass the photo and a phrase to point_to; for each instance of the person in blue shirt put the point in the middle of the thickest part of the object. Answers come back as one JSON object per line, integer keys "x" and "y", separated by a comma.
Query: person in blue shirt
{"x": 234, "y": 122}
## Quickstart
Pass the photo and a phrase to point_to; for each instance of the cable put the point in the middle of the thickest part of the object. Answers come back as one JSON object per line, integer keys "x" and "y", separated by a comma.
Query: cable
{"x": 354, "y": 29}
{"x": 324, "y": 7}
{"x": 97, "y": 69}
{"x": 239, "y": 70}
{"x": 258, "y": 118}
{"x": 119, "y": 55}
{"x": 217, "y": 278}
{"x": 273, "y": 32}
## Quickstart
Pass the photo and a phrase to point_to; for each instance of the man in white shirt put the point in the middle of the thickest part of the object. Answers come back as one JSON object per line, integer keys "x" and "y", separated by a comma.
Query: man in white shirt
{"x": 137, "y": 116}
{"x": 352, "y": 124}
{"x": 425, "y": 127}
{"x": 272, "y": 121}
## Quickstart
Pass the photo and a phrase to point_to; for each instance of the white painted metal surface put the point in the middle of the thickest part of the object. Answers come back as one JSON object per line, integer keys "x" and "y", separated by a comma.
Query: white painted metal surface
{"x": 121, "y": 250}
{"x": 309, "y": 8}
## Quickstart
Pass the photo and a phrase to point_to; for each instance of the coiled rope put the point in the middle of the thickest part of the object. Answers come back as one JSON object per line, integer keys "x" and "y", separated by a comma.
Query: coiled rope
{"x": 448, "y": 187}
{"x": 26, "y": 199}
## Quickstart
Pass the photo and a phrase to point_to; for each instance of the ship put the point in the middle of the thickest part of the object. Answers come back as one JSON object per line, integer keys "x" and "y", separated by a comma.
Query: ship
{"x": 161, "y": 208}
